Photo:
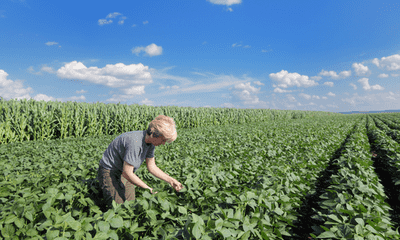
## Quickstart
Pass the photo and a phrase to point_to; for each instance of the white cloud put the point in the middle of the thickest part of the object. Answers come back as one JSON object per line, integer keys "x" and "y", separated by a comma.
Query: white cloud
{"x": 360, "y": 69}
{"x": 291, "y": 98}
{"x": 225, "y": 2}
{"x": 345, "y": 74}
{"x": 306, "y": 96}
{"x": 383, "y": 75}
{"x": 366, "y": 86}
{"x": 81, "y": 91}
{"x": 286, "y": 79}
{"x": 391, "y": 63}
{"x": 330, "y": 84}
{"x": 151, "y": 50}
{"x": 31, "y": 70}
{"x": 104, "y": 21}
{"x": 10, "y": 89}
{"x": 47, "y": 69}
{"x": 334, "y": 75}
{"x": 258, "y": 83}
{"x": 377, "y": 101}
{"x": 113, "y": 15}
{"x": 316, "y": 78}
{"x": 331, "y": 94}
{"x": 376, "y": 62}
{"x": 121, "y": 21}
{"x": 247, "y": 93}
{"x": 229, "y": 9}
{"x": 115, "y": 76}
{"x": 278, "y": 90}
{"x": 353, "y": 85}
{"x": 169, "y": 87}
{"x": 266, "y": 50}
{"x": 329, "y": 74}
{"x": 51, "y": 43}
{"x": 145, "y": 22}
{"x": 147, "y": 102}
{"x": 324, "y": 98}
{"x": 239, "y": 45}
{"x": 395, "y": 75}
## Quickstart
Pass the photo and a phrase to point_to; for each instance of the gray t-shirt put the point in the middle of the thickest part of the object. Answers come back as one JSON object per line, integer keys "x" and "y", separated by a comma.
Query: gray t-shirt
{"x": 129, "y": 147}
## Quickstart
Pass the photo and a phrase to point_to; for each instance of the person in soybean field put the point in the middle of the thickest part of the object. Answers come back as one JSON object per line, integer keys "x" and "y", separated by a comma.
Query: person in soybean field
{"x": 126, "y": 153}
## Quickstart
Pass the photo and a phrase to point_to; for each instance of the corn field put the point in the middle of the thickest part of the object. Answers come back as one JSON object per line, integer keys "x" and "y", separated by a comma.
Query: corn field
{"x": 30, "y": 120}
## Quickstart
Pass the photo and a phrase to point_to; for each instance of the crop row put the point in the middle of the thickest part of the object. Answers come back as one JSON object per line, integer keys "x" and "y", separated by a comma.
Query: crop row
{"x": 353, "y": 206}
{"x": 390, "y": 128}
{"x": 387, "y": 161}
{"x": 240, "y": 182}
{"x": 292, "y": 161}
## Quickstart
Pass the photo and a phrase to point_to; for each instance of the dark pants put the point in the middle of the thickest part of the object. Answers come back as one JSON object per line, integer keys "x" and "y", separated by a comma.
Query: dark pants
{"x": 115, "y": 187}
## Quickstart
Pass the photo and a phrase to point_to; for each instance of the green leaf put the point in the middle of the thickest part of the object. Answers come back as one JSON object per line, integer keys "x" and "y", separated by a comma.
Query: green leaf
{"x": 109, "y": 215}
{"x": 334, "y": 217}
{"x": 327, "y": 234}
{"x": 19, "y": 222}
{"x": 10, "y": 219}
{"x": 8, "y": 231}
{"x": 238, "y": 214}
{"x": 359, "y": 229}
{"x": 360, "y": 221}
{"x": 370, "y": 228}
{"x": 219, "y": 223}
{"x": 116, "y": 222}
{"x": 29, "y": 216}
{"x": 112, "y": 234}
{"x": 246, "y": 235}
{"x": 250, "y": 195}
{"x": 73, "y": 223}
{"x": 32, "y": 232}
{"x": 228, "y": 224}
{"x": 278, "y": 211}
{"x": 152, "y": 214}
{"x": 285, "y": 198}
{"x": 197, "y": 230}
{"x": 79, "y": 234}
{"x": 182, "y": 210}
{"x": 86, "y": 225}
{"x": 101, "y": 235}
{"x": 61, "y": 238}
{"x": 225, "y": 232}
{"x": 45, "y": 224}
{"x": 52, "y": 234}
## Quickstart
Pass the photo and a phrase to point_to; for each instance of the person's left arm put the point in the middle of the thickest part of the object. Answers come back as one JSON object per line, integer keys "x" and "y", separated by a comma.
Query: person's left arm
{"x": 153, "y": 169}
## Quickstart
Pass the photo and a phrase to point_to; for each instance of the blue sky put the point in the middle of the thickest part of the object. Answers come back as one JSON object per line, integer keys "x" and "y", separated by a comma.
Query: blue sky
{"x": 334, "y": 56}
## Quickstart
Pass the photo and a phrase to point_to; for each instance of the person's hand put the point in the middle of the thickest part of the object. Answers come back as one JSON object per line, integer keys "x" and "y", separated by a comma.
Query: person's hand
{"x": 176, "y": 185}
{"x": 151, "y": 190}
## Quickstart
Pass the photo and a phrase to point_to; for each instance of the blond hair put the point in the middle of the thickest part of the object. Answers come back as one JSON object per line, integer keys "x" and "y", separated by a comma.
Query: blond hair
{"x": 163, "y": 126}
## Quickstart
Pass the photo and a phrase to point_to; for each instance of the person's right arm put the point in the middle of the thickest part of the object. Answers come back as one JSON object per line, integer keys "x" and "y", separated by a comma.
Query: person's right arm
{"x": 131, "y": 177}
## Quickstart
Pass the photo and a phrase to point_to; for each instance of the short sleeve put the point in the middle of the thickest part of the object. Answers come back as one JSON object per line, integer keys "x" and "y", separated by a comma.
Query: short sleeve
{"x": 131, "y": 155}
{"x": 150, "y": 153}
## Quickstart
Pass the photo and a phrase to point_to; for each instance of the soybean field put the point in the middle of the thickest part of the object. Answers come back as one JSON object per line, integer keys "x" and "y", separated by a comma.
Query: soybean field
{"x": 326, "y": 177}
